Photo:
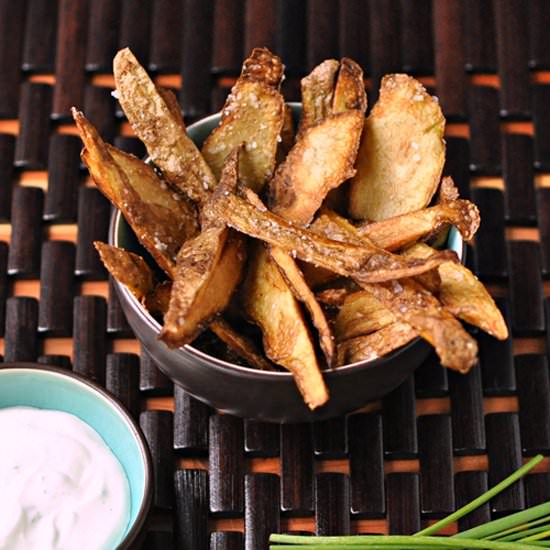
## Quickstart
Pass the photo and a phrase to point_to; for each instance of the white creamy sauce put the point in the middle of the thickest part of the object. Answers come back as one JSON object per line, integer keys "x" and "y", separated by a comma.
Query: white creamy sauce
{"x": 61, "y": 487}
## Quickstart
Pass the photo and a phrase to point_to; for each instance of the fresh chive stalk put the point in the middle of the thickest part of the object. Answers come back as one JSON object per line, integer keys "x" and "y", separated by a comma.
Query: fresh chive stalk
{"x": 518, "y": 531}
{"x": 521, "y": 531}
{"x": 476, "y": 503}
{"x": 368, "y": 542}
{"x": 538, "y": 536}
{"x": 505, "y": 523}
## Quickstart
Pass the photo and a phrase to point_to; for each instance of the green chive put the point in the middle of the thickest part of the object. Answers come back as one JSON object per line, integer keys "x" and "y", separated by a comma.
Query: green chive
{"x": 519, "y": 530}
{"x": 505, "y": 523}
{"x": 485, "y": 497}
{"x": 367, "y": 542}
{"x": 538, "y": 536}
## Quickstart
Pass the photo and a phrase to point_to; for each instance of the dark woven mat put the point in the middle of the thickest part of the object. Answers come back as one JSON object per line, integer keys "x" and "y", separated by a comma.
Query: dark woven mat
{"x": 224, "y": 483}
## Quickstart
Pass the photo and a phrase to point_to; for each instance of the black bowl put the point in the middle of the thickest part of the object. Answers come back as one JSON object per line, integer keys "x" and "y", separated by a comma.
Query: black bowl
{"x": 251, "y": 393}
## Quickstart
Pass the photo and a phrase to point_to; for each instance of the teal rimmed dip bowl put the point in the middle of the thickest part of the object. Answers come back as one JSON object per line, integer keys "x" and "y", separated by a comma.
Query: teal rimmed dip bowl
{"x": 34, "y": 385}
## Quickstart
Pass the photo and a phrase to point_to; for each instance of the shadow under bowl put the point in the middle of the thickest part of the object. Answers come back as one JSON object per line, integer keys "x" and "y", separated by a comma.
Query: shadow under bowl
{"x": 248, "y": 392}
{"x": 35, "y": 385}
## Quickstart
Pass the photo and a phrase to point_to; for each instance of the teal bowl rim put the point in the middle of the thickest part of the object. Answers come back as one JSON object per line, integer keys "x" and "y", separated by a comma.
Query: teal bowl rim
{"x": 454, "y": 242}
{"x": 120, "y": 410}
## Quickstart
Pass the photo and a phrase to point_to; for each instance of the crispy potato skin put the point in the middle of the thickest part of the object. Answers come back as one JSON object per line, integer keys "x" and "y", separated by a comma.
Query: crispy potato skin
{"x": 413, "y": 304}
{"x": 359, "y": 315}
{"x": 304, "y": 179}
{"x": 254, "y": 115}
{"x": 297, "y": 284}
{"x": 349, "y": 93}
{"x": 287, "y": 135}
{"x": 272, "y": 306}
{"x": 402, "y": 152}
{"x": 208, "y": 269}
{"x": 158, "y": 299}
{"x": 371, "y": 346}
{"x": 317, "y": 93}
{"x": 241, "y": 345}
{"x": 127, "y": 268}
{"x": 160, "y": 220}
{"x": 464, "y": 295}
{"x": 359, "y": 259}
{"x": 297, "y": 190}
{"x": 399, "y": 231}
{"x": 156, "y": 119}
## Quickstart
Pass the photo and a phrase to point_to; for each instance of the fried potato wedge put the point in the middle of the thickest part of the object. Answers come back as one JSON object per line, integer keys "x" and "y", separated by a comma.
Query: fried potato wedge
{"x": 158, "y": 300}
{"x": 295, "y": 280}
{"x": 287, "y": 135}
{"x": 395, "y": 233}
{"x": 317, "y": 93}
{"x": 349, "y": 92}
{"x": 364, "y": 261}
{"x": 334, "y": 297}
{"x": 161, "y": 220}
{"x": 413, "y": 304}
{"x": 241, "y": 345}
{"x": 127, "y": 268}
{"x": 208, "y": 269}
{"x": 448, "y": 191}
{"x": 271, "y": 305}
{"x": 302, "y": 182}
{"x": 402, "y": 152}
{"x": 360, "y": 314}
{"x": 331, "y": 87}
{"x": 376, "y": 344}
{"x": 316, "y": 276}
{"x": 254, "y": 115}
{"x": 464, "y": 295}
{"x": 156, "y": 119}
{"x": 331, "y": 125}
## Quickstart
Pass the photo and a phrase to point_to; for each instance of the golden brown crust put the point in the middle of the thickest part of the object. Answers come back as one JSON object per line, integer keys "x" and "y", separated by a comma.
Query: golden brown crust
{"x": 208, "y": 269}
{"x": 322, "y": 158}
{"x": 399, "y": 231}
{"x": 161, "y": 219}
{"x": 414, "y": 305}
{"x": 241, "y": 345}
{"x": 360, "y": 314}
{"x": 253, "y": 115}
{"x": 271, "y": 305}
{"x": 158, "y": 300}
{"x": 402, "y": 152}
{"x": 264, "y": 67}
{"x": 297, "y": 284}
{"x": 372, "y": 346}
{"x": 349, "y": 93}
{"x": 156, "y": 120}
{"x": 359, "y": 259}
{"x": 317, "y": 93}
{"x": 464, "y": 295}
{"x": 127, "y": 268}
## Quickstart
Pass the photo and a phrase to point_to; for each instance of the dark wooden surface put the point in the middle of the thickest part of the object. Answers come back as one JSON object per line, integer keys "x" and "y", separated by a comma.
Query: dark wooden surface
{"x": 223, "y": 483}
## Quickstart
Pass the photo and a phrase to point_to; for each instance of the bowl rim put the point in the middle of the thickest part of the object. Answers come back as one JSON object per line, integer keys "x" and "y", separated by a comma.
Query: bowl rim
{"x": 155, "y": 326}
{"x": 110, "y": 400}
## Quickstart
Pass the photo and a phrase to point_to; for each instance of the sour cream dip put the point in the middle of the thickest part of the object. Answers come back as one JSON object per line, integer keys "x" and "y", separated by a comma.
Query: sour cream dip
{"x": 61, "y": 487}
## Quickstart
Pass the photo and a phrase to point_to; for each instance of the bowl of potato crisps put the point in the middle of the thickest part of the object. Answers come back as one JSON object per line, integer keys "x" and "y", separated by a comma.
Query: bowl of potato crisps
{"x": 290, "y": 262}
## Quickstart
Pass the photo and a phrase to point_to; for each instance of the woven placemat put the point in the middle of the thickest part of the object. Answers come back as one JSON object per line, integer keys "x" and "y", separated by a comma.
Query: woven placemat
{"x": 221, "y": 482}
